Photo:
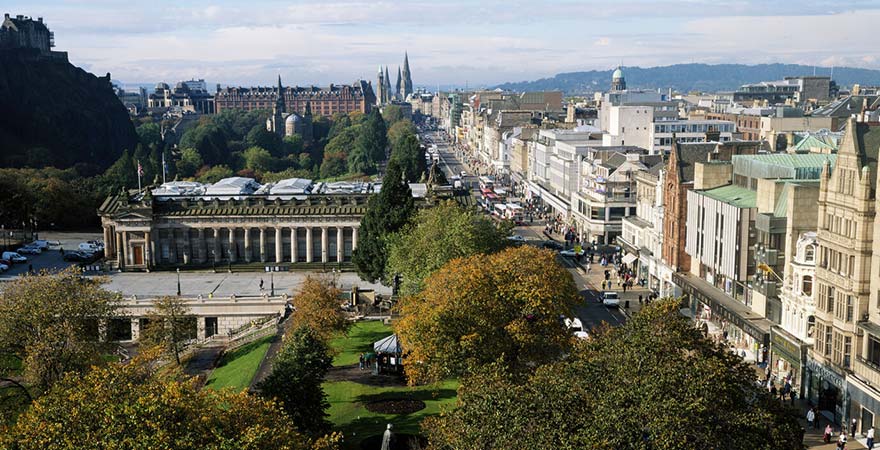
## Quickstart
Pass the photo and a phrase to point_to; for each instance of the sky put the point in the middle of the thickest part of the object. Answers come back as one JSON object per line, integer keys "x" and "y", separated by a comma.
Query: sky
{"x": 450, "y": 42}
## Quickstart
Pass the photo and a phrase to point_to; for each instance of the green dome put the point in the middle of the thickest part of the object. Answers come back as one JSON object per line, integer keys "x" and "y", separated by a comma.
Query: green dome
{"x": 617, "y": 74}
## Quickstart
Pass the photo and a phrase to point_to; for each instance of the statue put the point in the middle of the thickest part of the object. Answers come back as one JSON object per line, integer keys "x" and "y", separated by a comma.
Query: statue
{"x": 387, "y": 438}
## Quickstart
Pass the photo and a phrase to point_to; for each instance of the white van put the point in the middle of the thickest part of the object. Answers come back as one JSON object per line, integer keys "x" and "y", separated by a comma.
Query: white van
{"x": 13, "y": 257}
{"x": 89, "y": 247}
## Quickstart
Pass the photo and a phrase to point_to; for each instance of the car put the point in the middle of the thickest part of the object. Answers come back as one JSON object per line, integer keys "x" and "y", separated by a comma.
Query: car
{"x": 6, "y": 262}
{"x": 516, "y": 238}
{"x": 571, "y": 253}
{"x": 42, "y": 244}
{"x": 552, "y": 245}
{"x": 462, "y": 174}
{"x": 28, "y": 250}
{"x": 4, "y": 267}
{"x": 14, "y": 257}
{"x": 576, "y": 328}
{"x": 610, "y": 298}
{"x": 77, "y": 256}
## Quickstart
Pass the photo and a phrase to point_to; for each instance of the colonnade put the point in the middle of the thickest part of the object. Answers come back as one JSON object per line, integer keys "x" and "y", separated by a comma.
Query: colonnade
{"x": 177, "y": 245}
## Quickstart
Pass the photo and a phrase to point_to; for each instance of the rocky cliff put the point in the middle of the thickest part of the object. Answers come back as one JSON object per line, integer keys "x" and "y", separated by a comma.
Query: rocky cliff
{"x": 55, "y": 114}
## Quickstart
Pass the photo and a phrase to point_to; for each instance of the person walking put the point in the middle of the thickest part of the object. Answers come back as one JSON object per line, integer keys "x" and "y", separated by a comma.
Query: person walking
{"x": 841, "y": 440}
{"x": 852, "y": 426}
{"x": 361, "y": 362}
{"x": 826, "y": 437}
{"x": 816, "y": 415}
{"x": 811, "y": 417}
{"x": 870, "y": 436}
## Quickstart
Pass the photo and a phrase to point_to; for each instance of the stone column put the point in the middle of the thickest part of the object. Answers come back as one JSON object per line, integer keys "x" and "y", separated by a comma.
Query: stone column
{"x": 127, "y": 246}
{"x": 247, "y": 244}
{"x": 340, "y": 244}
{"x": 232, "y": 244}
{"x": 203, "y": 246}
{"x": 120, "y": 257}
{"x": 217, "y": 249}
{"x": 187, "y": 255}
{"x": 324, "y": 256}
{"x": 135, "y": 329}
{"x": 293, "y": 248}
{"x": 148, "y": 250}
{"x": 172, "y": 244}
{"x": 354, "y": 238}
{"x": 309, "y": 250}
{"x": 262, "y": 245}
{"x": 108, "y": 246}
{"x": 279, "y": 253}
{"x": 200, "y": 328}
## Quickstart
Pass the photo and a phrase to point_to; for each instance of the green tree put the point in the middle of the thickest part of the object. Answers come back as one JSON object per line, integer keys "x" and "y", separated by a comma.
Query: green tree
{"x": 474, "y": 311}
{"x": 360, "y": 162}
{"x": 373, "y": 139}
{"x": 655, "y": 382}
{"x": 344, "y": 141}
{"x": 190, "y": 162}
{"x": 215, "y": 174}
{"x": 340, "y": 122}
{"x": 123, "y": 173}
{"x": 259, "y": 136}
{"x": 133, "y": 405}
{"x": 387, "y": 212}
{"x": 305, "y": 161}
{"x": 408, "y": 153}
{"x": 334, "y": 165}
{"x": 258, "y": 159}
{"x": 400, "y": 129}
{"x": 292, "y": 145}
{"x": 296, "y": 380}
{"x": 392, "y": 114}
{"x": 150, "y": 135}
{"x": 169, "y": 325}
{"x": 436, "y": 236}
{"x": 45, "y": 343}
{"x": 210, "y": 140}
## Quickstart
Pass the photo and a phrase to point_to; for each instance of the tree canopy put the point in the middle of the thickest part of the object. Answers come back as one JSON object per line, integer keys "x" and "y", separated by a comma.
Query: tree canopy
{"x": 169, "y": 325}
{"x": 317, "y": 305}
{"x": 295, "y": 380}
{"x": 131, "y": 405}
{"x": 475, "y": 310}
{"x": 408, "y": 153}
{"x": 436, "y": 236}
{"x": 655, "y": 382}
{"x": 387, "y": 212}
{"x": 373, "y": 138}
{"x": 45, "y": 343}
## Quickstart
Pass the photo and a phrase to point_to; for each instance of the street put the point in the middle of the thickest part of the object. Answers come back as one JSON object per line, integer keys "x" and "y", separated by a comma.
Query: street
{"x": 591, "y": 312}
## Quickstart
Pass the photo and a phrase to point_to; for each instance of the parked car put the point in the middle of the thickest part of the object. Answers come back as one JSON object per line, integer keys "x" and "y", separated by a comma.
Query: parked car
{"x": 78, "y": 257}
{"x": 6, "y": 262}
{"x": 610, "y": 298}
{"x": 42, "y": 244}
{"x": 4, "y": 267}
{"x": 552, "y": 245}
{"x": 571, "y": 253}
{"x": 28, "y": 250}
{"x": 14, "y": 257}
{"x": 462, "y": 174}
{"x": 89, "y": 247}
{"x": 576, "y": 328}
{"x": 516, "y": 238}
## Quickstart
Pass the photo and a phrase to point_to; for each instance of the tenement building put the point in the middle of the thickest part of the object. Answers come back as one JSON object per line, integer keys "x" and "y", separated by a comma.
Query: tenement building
{"x": 844, "y": 330}
{"x": 324, "y": 101}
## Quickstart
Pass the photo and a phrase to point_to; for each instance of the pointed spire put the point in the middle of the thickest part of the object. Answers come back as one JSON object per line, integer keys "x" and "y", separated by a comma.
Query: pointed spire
{"x": 279, "y": 84}
{"x": 308, "y": 111}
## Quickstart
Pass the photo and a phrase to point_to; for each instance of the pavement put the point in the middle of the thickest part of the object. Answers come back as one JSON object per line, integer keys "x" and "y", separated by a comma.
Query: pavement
{"x": 51, "y": 259}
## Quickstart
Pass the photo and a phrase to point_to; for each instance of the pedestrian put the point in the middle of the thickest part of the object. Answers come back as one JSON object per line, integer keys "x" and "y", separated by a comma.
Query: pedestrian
{"x": 786, "y": 390}
{"x": 624, "y": 288}
{"x": 816, "y": 415}
{"x": 841, "y": 441}
{"x": 62, "y": 250}
{"x": 31, "y": 269}
{"x": 640, "y": 300}
{"x": 589, "y": 268}
{"x": 603, "y": 285}
{"x": 361, "y": 362}
{"x": 826, "y": 437}
{"x": 852, "y": 426}
{"x": 261, "y": 284}
{"x": 772, "y": 389}
{"x": 870, "y": 436}
{"x": 811, "y": 418}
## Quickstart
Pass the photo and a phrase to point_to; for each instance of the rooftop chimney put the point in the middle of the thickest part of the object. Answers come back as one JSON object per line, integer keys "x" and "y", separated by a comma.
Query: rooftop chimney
{"x": 40, "y": 19}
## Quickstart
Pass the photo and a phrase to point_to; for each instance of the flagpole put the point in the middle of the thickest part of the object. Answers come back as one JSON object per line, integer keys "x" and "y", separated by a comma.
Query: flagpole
{"x": 139, "y": 175}
{"x": 163, "y": 167}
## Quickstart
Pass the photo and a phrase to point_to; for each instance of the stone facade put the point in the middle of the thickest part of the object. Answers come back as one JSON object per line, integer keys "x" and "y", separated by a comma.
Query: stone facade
{"x": 323, "y": 101}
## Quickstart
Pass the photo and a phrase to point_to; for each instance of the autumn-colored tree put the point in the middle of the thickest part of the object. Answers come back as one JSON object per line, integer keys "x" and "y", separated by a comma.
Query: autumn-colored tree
{"x": 475, "y": 310}
{"x": 436, "y": 236}
{"x": 128, "y": 406}
{"x": 317, "y": 306}
{"x": 296, "y": 380}
{"x": 169, "y": 325}
{"x": 654, "y": 383}
{"x": 49, "y": 326}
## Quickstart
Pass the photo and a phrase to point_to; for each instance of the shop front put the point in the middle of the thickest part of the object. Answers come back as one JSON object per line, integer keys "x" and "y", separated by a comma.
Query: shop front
{"x": 787, "y": 357}
{"x": 728, "y": 321}
{"x": 864, "y": 403}
{"x": 826, "y": 389}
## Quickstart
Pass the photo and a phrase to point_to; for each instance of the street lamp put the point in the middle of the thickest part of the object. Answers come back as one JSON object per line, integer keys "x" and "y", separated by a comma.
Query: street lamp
{"x": 178, "y": 281}
{"x": 271, "y": 280}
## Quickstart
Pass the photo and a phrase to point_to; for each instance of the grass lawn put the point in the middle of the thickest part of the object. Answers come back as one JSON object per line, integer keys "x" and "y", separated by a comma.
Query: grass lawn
{"x": 348, "y": 415}
{"x": 237, "y": 368}
{"x": 359, "y": 340}
{"x": 347, "y": 398}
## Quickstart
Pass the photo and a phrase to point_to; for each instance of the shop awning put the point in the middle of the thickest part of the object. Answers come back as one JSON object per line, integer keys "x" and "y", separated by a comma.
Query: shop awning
{"x": 738, "y": 314}
{"x": 629, "y": 258}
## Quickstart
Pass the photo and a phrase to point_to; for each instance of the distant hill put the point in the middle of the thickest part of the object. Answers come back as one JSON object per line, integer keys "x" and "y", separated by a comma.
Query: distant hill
{"x": 53, "y": 113}
{"x": 691, "y": 77}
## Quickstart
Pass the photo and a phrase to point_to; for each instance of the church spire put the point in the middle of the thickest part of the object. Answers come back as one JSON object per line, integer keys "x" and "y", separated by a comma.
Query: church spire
{"x": 398, "y": 88}
{"x": 407, "y": 77}
{"x": 387, "y": 86}
{"x": 279, "y": 100}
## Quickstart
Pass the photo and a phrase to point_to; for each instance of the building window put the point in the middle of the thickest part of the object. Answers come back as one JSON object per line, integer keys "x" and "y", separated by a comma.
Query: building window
{"x": 809, "y": 253}
{"x": 807, "y": 285}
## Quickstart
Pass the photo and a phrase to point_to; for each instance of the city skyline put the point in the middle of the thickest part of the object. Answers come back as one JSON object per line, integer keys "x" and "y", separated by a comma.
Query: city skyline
{"x": 453, "y": 43}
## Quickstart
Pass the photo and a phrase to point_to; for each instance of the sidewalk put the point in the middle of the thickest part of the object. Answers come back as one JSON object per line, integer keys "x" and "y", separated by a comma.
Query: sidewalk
{"x": 594, "y": 280}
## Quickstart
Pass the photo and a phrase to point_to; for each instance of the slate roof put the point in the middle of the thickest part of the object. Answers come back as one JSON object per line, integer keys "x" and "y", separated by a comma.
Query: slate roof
{"x": 689, "y": 153}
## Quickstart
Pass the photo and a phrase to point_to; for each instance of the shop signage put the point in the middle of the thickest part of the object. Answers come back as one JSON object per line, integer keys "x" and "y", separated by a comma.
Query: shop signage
{"x": 826, "y": 374}
{"x": 781, "y": 346}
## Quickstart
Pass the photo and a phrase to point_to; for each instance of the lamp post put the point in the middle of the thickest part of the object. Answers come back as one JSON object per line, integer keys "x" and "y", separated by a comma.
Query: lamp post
{"x": 178, "y": 281}
{"x": 271, "y": 280}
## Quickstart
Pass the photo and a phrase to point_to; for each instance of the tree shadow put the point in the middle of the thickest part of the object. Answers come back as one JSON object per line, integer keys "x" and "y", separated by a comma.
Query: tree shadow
{"x": 424, "y": 395}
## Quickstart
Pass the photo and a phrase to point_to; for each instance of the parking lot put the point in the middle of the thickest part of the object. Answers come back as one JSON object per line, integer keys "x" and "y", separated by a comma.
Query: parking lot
{"x": 50, "y": 259}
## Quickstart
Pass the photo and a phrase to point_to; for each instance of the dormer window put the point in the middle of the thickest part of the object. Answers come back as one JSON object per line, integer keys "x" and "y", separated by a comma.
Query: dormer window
{"x": 809, "y": 253}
